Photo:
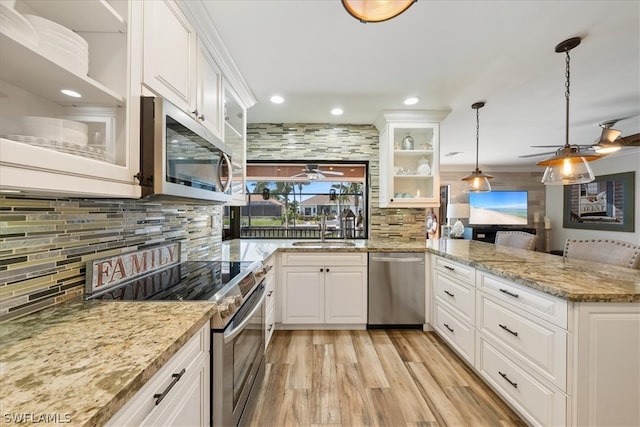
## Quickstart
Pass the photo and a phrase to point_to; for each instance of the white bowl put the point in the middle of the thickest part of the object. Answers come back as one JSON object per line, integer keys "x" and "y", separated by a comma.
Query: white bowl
{"x": 55, "y": 129}
{"x": 16, "y": 26}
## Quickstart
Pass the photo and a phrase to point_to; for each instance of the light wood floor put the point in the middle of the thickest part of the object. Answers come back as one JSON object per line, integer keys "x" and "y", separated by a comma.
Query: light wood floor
{"x": 372, "y": 378}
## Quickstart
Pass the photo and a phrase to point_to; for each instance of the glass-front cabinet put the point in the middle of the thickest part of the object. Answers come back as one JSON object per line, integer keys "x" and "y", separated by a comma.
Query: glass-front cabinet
{"x": 409, "y": 158}
{"x": 235, "y": 141}
{"x": 68, "y": 125}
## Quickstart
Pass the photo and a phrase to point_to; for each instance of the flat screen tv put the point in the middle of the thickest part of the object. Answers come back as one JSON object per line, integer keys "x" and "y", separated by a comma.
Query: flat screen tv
{"x": 498, "y": 208}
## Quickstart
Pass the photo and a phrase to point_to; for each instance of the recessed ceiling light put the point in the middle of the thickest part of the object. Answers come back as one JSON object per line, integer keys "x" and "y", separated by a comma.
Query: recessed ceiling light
{"x": 411, "y": 100}
{"x": 277, "y": 99}
{"x": 452, "y": 153}
{"x": 337, "y": 111}
{"x": 71, "y": 93}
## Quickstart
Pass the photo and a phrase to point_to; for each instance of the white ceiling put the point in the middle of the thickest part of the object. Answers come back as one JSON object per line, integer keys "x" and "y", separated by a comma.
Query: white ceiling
{"x": 450, "y": 54}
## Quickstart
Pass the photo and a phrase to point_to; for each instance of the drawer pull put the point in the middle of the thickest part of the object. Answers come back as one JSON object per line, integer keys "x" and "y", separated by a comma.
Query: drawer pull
{"x": 506, "y": 328}
{"x": 270, "y": 293}
{"x": 449, "y": 268}
{"x": 270, "y": 328}
{"x": 449, "y": 293}
{"x": 511, "y": 294}
{"x": 447, "y": 326}
{"x": 176, "y": 377}
{"x": 515, "y": 385}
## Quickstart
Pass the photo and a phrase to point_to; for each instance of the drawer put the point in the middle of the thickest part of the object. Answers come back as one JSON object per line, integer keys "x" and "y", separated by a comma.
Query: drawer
{"x": 324, "y": 258}
{"x": 540, "y": 404}
{"x": 463, "y": 272}
{"x": 189, "y": 358}
{"x": 539, "y": 344}
{"x": 545, "y": 306}
{"x": 455, "y": 294}
{"x": 457, "y": 333}
{"x": 269, "y": 325}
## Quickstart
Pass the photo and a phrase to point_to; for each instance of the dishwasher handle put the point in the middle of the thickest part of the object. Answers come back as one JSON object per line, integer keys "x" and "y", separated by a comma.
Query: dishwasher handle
{"x": 388, "y": 259}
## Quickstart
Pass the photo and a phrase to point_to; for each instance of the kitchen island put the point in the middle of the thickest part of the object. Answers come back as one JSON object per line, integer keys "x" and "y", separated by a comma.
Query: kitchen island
{"x": 572, "y": 280}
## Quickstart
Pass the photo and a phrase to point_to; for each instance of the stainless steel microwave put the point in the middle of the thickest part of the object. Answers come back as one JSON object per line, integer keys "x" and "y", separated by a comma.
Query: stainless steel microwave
{"x": 179, "y": 157}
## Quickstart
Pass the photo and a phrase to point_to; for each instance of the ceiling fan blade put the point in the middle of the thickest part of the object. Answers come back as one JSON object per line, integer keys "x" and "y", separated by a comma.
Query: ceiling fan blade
{"x": 630, "y": 140}
{"x": 556, "y": 146}
{"x": 609, "y": 134}
{"x": 323, "y": 172}
{"x": 524, "y": 156}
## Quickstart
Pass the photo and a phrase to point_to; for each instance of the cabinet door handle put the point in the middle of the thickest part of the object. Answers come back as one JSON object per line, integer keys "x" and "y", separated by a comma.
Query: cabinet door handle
{"x": 270, "y": 327}
{"x": 506, "y": 328}
{"x": 515, "y": 385}
{"x": 176, "y": 377}
{"x": 449, "y": 268}
{"x": 328, "y": 270}
{"x": 321, "y": 270}
{"x": 201, "y": 117}
{"x": 449, "y": 293}
{"x": 511, "y": 294}
{"x": 195, "y": 112}
{"x": 447, "y": 326}
{"x": 270, "y": 293}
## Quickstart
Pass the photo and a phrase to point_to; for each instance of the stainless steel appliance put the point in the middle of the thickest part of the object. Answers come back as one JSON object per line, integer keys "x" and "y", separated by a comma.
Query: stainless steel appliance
{"x": 396, "y": 289}
{"x": 178, "y": 156}
{"x": 237, "y": 344}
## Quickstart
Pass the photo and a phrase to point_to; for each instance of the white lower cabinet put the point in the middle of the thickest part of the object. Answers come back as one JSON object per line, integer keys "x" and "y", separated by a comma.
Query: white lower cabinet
{"x": 324, "y": 288}
{"x": 178, "y": 394}
{"x": 556, "y": 362}
{"x": 543, "y": 405}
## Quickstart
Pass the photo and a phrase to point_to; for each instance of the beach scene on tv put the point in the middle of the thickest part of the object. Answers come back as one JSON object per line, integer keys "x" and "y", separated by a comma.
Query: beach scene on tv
{"x": 498, "y": 208}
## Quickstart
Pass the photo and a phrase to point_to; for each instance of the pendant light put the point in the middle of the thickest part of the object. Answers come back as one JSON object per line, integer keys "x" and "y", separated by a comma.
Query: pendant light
{"x": 568, "y": 166}
{"x": 376, "y": 10}
{"x": 477, "y": 181}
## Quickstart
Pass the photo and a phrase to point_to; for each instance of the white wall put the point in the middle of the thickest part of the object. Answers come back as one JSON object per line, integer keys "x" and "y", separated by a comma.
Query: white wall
{"x": 626, "y": 161}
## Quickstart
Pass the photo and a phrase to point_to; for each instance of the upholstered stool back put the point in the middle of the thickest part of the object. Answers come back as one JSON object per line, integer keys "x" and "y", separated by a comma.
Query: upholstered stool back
{"x": 516, "y": 239}
{"x": 606, "y": 251}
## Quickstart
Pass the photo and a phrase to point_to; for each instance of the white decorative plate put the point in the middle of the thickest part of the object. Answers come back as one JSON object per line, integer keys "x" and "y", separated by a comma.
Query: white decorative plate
{"x": 63, "y": 147}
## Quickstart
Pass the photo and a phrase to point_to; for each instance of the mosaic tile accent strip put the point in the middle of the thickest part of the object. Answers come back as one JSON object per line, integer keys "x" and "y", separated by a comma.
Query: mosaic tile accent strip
{"x": 45, "y": 243}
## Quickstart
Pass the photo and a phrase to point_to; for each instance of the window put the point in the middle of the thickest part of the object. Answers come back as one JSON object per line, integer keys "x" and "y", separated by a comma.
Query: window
{"x": 288, "y": 199}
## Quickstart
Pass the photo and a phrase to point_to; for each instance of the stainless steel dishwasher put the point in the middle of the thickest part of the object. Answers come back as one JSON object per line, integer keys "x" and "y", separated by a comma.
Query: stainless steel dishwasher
{"x": 396, "y": 289}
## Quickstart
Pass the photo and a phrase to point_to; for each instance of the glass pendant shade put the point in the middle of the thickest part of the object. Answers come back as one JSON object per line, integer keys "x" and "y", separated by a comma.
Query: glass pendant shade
{"x": 477, "y": 182}
{"x": 569, "y": 166}
{"x": 376, "y": 10}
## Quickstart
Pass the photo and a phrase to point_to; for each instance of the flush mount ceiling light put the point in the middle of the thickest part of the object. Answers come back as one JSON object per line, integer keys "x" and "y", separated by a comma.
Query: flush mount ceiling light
{"x": 477, "y": 181}
{"x": 412, "y": 100}
{"x": 376, "y": 10}
{"x": 71, "y": 93}
{"x": 337, "y": 111}
{"x": 277, "y": 99}
{"x": 568, "y": 166}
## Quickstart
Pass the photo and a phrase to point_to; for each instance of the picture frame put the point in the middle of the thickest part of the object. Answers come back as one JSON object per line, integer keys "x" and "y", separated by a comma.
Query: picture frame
{"x": 607, "y": 203}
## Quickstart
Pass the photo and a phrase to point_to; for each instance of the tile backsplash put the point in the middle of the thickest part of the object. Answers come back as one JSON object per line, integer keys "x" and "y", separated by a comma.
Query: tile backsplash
{"x": 46, "y": 243}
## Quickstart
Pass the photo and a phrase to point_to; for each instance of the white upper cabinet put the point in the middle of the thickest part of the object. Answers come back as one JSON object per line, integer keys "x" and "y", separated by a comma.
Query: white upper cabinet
{"x": 169, "y": 65}
{"x": 178, "y": 67}
{"x": 52, "y": 143}
{"x": 409, "y": 158}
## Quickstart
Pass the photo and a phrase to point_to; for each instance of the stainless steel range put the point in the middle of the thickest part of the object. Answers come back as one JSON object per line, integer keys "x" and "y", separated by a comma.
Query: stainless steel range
{"x": 237, "y": 353}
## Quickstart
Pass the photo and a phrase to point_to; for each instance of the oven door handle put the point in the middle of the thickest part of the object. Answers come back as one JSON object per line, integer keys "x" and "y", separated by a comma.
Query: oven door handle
{"x": 230, "y": 335}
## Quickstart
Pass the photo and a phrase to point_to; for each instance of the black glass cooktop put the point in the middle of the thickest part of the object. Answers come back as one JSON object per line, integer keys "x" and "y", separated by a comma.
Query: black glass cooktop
{"x": 188, "y": 281}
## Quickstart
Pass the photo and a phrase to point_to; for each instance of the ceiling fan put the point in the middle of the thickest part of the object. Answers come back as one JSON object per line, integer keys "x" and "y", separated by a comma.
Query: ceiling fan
{"x": 609, "y": 141}
{"x": 313, "y": 172}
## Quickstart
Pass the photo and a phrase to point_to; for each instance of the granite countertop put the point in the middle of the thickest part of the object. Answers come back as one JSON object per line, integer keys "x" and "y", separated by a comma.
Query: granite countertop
{"x": 573, "y": 280}
{"x": 80, "y": 362}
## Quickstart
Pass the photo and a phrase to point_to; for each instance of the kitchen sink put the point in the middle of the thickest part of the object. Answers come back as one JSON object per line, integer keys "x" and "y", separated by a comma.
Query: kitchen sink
{"x": 325, "y": 244}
